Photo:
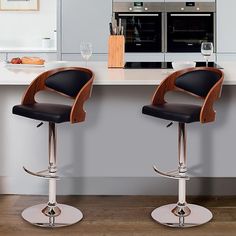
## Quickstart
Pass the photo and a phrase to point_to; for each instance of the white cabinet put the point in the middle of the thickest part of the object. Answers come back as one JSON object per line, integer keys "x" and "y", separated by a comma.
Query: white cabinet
{"x": 189, "y": 1}
{"x": 3, "y": 56}
{"x": 145, "y": 57}
{"x": 226, "y": 30}
{"x": 78, "y": 57}
{"x": 187, "y": 57}
{"x": 85, "y": 21}
{"x": 226, "y": 57}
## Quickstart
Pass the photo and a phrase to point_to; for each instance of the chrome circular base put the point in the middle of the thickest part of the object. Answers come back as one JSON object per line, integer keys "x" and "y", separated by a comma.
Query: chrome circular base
{"x": 198, "y": 216}
{"x": 69, "y": 215}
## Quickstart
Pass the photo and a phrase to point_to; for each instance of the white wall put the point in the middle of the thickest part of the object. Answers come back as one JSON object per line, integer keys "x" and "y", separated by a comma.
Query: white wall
{"x": 26, "y": 29}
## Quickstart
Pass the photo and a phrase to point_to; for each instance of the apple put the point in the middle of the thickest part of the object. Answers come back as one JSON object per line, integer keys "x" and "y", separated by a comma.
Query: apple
{"x": 16, "y": 60}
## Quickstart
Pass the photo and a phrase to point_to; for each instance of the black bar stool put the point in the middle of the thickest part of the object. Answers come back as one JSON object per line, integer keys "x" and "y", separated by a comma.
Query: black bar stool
{"x": 205, "y": 83}
{"x": 72, "y": 82}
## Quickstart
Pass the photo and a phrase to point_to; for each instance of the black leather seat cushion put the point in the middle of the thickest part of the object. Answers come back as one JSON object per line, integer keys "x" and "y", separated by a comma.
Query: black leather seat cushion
{"x": 183, "y": 113}
{"x": 198, "y": 82}
{"x": 44, "y": 111}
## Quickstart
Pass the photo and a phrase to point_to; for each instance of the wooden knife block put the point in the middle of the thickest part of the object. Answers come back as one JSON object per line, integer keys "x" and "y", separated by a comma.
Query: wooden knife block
{"x": 116, "y": 51}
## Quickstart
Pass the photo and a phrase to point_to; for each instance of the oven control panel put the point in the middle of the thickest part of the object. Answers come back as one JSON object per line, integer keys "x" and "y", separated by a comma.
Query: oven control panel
{"x": 190, "y": 4}
{"x": 138, "y": 7}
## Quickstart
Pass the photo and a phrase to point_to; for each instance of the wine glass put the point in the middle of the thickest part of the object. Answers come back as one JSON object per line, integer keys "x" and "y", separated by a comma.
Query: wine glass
{"x": 207, "y": 51}
{"x": 86, "y": 50}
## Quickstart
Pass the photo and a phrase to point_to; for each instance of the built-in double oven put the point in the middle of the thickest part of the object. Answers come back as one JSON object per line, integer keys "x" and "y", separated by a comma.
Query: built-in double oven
{"x": 166, "y": 27}
{"x": 188, "y": 25}
{"x": 143, "y": 24}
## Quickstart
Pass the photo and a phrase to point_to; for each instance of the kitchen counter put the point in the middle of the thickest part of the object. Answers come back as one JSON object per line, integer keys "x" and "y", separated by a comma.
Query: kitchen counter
{"x": 114, "y": 150}
{"x": 105, "y": 76}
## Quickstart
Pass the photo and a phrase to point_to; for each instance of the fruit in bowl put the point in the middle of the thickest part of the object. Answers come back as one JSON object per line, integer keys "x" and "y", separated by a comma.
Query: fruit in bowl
{"x": 180, "y": 65}
{"x": 16, "y": 60}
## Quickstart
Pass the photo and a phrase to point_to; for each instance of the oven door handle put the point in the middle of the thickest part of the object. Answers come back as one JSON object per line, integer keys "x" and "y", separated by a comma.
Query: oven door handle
{"x": 190, "y": 14}
{"x": 133, "y": 14}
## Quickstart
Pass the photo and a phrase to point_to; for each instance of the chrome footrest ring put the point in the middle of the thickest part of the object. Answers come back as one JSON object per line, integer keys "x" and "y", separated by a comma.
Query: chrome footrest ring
{"x": 170, "y": 175}
{"x": 41, "y": 174}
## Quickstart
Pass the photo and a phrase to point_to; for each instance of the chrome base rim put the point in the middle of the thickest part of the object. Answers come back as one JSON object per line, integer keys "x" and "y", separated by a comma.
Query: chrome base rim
{"x": 69, "y": 216}
{"x": 165, "y": 216}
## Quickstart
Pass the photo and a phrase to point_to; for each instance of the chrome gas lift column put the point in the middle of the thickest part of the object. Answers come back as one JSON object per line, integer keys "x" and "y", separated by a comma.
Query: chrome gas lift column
{"x": 51, "y": 214}
{"x": 182, "y": 214}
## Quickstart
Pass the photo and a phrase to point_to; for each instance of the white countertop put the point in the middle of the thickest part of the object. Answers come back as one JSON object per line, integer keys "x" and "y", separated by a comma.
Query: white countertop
{"x": 105, "y": 76}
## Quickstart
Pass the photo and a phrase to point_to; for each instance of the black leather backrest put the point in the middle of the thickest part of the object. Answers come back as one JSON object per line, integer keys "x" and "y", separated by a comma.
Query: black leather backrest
{"x": 198, "y": 82}
{"x": 68, "y": 82}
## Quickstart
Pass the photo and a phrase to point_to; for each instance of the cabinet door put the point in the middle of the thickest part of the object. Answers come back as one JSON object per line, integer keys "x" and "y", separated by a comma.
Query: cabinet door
{"x": 85, "y": 21}
{"x": 226, "y": 32}
{"x": 189, "y": 1}
{"x": 3, "y": 56}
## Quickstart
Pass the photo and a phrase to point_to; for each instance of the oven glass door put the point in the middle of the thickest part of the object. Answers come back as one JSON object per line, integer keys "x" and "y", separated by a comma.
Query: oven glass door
{"x": 186, "y": 31}
{"x": 142, "y": 31}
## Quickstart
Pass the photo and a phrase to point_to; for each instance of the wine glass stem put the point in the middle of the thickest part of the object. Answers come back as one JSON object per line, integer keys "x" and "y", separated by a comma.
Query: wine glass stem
{"x": 206, "y": 62}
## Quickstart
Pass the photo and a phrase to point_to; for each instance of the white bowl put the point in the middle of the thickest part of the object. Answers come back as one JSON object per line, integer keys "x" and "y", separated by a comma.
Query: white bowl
{"x": 180, "y": 65}
{"x": 55, "y": 64}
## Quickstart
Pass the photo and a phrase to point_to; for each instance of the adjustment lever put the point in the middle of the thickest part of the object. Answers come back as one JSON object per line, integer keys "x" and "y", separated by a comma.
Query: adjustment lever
{"x": 39, "y": 125}
{"x": 169, "y": 125}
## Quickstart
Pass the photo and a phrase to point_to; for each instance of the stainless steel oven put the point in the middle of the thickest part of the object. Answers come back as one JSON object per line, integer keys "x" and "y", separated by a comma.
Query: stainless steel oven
{"x": 188, "y": 24}
{"x": 143, "y": 24}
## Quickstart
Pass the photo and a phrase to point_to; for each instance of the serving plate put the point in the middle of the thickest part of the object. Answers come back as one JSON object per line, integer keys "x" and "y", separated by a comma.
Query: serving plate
{"x": 20, "y": 66}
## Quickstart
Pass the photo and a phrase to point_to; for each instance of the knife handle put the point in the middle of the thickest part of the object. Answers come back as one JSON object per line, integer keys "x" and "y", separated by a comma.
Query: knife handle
{"x": 119, "y": 26}
{"x": 111, "y": 29}
{"x": 122, "y": 30}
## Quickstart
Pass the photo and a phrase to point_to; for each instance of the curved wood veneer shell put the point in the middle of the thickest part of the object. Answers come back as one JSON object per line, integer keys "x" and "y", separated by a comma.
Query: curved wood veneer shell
{"x": 77, "y": 112}
{"x": 207, "y": 112}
